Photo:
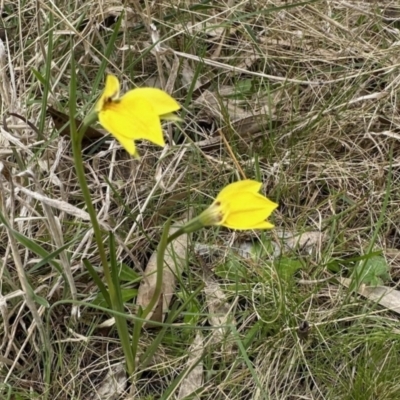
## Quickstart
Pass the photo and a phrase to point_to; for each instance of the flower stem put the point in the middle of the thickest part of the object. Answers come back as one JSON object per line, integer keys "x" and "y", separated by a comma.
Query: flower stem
{"x": 162, "y": 245}
{"x": 76, "y": 136}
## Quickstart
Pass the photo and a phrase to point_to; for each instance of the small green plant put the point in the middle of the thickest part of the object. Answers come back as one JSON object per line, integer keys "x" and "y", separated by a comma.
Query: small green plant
{"x": 373, "y": 272}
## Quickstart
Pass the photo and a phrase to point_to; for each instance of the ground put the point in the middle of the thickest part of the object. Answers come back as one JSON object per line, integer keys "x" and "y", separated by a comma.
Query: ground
{"x": 299, "y": 95}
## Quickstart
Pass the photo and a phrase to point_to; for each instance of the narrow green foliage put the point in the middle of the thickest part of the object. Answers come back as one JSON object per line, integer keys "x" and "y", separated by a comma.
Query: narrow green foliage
{"x": 373, "y": 272}
{"x": 97, "y": 280}
{"x": 113, "y": 285}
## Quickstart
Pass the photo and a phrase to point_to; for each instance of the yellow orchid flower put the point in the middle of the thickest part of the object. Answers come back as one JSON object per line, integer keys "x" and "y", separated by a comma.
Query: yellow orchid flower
{"x": 135, "y": 115}
{"x": 240, "y": 206}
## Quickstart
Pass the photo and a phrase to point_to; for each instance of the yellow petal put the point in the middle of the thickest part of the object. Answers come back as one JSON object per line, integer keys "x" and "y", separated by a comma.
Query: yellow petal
{"x": 111, "y": 92}
{"x": 242, "y": 226}
{"x": 127, "y": 144}
{"x": 240, "y": 206}
{"x": 247, "y": 202}
{"x": 247, "y": 185}
{"x": 248, "y": 211}
{"x": 249, "y": 220}
{"x": 133, "y": 120}
{"x": 111, "y": 89}
{"x": 161, "y": 101}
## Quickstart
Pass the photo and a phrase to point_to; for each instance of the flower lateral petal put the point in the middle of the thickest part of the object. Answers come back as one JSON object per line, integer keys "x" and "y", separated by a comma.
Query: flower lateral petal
{"x": 245, "y": 227}
{"x": 233, "y": 189}
{"x": 250, "y": 203}
{"x": 110, "y": 93}
{"x": 161, "y": 102}
{"x": 249, "y": 211}
{"x": 127, "y": 144}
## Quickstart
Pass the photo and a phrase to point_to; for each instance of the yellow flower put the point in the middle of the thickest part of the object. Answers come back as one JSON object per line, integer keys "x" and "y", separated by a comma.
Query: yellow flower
{"x": 135, "y": 115}
{"x": 240, "y": 206}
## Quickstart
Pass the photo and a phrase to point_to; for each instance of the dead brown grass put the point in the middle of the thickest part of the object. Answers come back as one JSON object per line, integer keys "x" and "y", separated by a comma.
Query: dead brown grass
{"x": 307, "y": 91}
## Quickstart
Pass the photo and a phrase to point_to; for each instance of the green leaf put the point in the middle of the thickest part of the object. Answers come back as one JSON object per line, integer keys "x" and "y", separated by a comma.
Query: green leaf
{"x": 41, "y": 301}
{"x": 100, "y": 301}
{"x": 260, "y": 249}
{"x": 127, "y": 274}
{"x": 373, "y": 271}
{"x": 116, "y": 301}
{"x": 243, "y": 88}
{"x": 32, "y": 245}
{"x": 50, "y": 257}
{"x": 333, "y": 266}
{"x": 128, "y": 294}
{"x": 39, "y": 76}
{"x": 287, "y": 267}
{"x": 97, "y": 280}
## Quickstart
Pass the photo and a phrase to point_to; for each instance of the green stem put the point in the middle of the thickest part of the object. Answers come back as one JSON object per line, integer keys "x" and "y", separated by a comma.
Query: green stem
{"x": 191, "y": 226}
{"x": 80, "y": 172}
{"x": 120, "y": 322}
{"x": 76, "y": 136}
{"x": 164, "y": 241}
{"x": 162, "y": 246}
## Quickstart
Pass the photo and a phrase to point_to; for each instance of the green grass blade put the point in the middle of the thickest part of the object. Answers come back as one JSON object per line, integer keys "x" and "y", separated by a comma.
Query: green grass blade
{"x": 97, "y": 280}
